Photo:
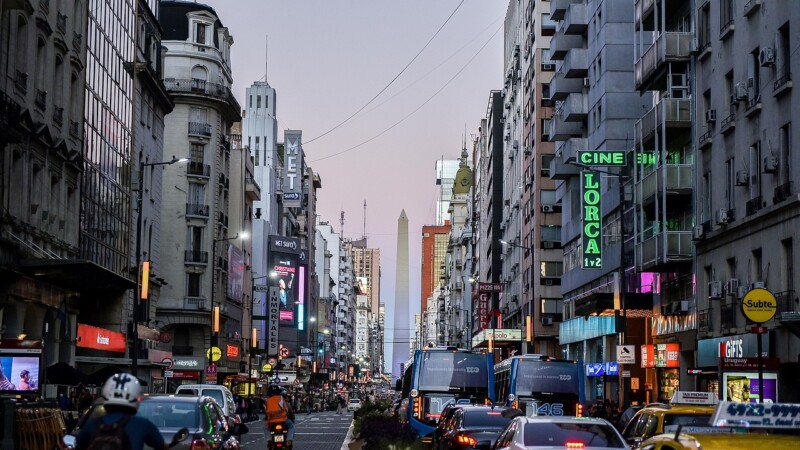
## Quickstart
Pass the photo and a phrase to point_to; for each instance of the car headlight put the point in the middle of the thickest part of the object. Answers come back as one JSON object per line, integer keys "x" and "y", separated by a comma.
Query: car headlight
{"x": 414, "y": 393}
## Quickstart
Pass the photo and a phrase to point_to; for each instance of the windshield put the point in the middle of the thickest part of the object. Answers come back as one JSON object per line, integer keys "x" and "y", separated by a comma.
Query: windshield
{"x": 555, "y": 434}
{"x": 168, "y": 414}
{"x": 216, "y": 394}
{"x": 702, "y": 420}
{"x": 451, "y": 371}
{"x": 535, "y": 377}
{"x": 485, "y": 419}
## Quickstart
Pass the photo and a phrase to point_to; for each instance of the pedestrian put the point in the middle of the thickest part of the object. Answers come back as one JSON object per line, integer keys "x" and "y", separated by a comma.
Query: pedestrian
{"x": 84, "y": 401}
{"x": 339, "y": 404}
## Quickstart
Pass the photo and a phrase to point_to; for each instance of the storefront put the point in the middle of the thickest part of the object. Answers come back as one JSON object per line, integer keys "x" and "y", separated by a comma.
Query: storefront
{"x": 185, "y": 370}
{"x": 710, "y": 377}
{"x": 665, "y": 358}
{"x": 603, "y": 379}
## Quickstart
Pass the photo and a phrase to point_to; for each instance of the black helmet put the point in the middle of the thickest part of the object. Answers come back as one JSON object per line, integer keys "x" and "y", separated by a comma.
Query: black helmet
{"x": 273, "y": 389}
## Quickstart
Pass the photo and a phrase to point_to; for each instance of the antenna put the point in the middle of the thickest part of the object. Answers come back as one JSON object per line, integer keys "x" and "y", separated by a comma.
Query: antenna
{"x": 341, "y": 222}
{"x": 266, "y": 59}
{"x": 364, "y": 233}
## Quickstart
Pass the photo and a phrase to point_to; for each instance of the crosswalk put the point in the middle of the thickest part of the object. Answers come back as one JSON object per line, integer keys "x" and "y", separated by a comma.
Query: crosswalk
{"x": 316, "y": 431}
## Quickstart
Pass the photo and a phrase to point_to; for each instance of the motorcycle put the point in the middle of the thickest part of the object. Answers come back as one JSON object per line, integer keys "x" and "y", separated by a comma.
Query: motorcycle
{"x": 278, "y": 436}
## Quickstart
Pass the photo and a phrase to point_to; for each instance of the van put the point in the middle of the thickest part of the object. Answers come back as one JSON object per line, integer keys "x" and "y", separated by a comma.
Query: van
{"x": 220, "y": 393}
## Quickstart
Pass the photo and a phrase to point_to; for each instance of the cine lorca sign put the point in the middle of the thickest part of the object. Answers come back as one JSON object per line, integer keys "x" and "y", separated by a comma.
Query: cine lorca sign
{"x": 590, "y": 192}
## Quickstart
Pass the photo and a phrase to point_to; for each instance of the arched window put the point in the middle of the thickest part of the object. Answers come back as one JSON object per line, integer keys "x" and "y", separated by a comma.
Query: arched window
{"x": 41, "y": 63}
{"x": 199, "y": 73}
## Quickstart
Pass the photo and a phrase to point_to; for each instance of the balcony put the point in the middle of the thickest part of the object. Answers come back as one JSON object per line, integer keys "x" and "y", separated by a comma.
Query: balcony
{"x": 198, "y": 169}
{"x": 782, "y": 84}
{"x": 576, "y": 63}
{"x": 561, "y": 43}
{"x": 58, "y": 116}
{"x": 200, "y": 129}
{"x": 571, "y": 147}
{"x": 77, "y": 42}
{"x": 674, "y": 179}
{"x": 642, "y": 10}
{"x": 561, "y": 130}
{"x": 10, "y": 112}
{"x": 575, "y": 19}
{"x": 574, "y": 108}
{"x": 561, "y": 87}
{"x": 664, "y": 250}
{"x": 197, "y": 209}
{"x": 751, "y": 7}
{"x": 668, "y": 47}
{"x": 21, "y": 81}
{"x": 560, "y": 170}
{"x": 668, "y": 113}
{"x": 215, "y": 91}
{"x": 40, "y": 99}
{"x": 61, "y": 23}
{"x": 252, "y": 189}
{"x": 195, "y": 257}
{"x": 788, "y": 311}
{"x": 75, "y": 129}
{"x": 558, "y": 8}
{"x": 705, "y": 139}
{"x": 782, "y": 193}
{"x": 728, "y": 124}
{"x": 704, "y": 321}
{"x": 195, "y": 303}
{"x": 753, "y": 206}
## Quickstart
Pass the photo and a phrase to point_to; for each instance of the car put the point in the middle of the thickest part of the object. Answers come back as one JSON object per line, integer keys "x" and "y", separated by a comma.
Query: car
{"x": 353, "y": 404}
{"x": 202, "y": 416}
{"x": 472, "y": 427}
{"x": 551, "y": 432}
{"x": 220, "y": 393}
{"x": 686, "y": 409}
{"x": 736, "y": 426}
{"x": 444, "y": 420}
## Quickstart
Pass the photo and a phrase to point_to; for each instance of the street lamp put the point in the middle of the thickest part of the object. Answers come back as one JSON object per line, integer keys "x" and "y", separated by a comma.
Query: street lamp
{"x": 215, "y": 310}
{"x": 143, "y": 270}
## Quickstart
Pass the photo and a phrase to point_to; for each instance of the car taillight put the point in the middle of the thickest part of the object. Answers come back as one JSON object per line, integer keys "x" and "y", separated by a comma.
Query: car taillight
{"x": 465, "y": 440}
{"x": 578, "y": 410}
{"x": 199, "y": 444}
{"x": 570, "y": 444}
{"x": 515, "y": 404}
{"x": 417, "y": 407}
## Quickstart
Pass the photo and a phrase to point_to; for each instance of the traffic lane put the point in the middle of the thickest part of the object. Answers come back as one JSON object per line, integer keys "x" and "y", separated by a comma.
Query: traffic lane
{"x": 316, "y": 431}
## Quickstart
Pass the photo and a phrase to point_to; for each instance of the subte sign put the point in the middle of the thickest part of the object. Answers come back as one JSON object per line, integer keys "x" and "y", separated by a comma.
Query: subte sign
{"x": 759, "y": 305}
{"x": 590, "y": 192}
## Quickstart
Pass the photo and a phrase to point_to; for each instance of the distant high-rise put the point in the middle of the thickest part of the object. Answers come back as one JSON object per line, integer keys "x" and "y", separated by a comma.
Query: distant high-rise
{"x": 401, "y": 335}
{"x": 445, "y": 175}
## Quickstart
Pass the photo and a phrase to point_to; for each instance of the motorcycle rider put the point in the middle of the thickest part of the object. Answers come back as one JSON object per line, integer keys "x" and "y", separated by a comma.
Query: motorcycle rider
{"x": 278, "y": 411}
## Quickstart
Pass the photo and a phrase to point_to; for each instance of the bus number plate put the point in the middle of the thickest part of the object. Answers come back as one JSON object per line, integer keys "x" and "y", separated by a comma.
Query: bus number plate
{"x": 546, "y": 409}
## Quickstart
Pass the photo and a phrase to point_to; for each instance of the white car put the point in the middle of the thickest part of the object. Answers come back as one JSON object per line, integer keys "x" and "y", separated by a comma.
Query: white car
{"x": 218, "y": 392}
{"x": 353, "y": 404}
{"x": 559, "y": 432}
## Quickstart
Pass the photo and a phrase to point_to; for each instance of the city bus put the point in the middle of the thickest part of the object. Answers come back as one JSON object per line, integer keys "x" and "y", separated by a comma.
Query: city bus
{"x": 438, "y": 376}
{"x": 540, "y": 385}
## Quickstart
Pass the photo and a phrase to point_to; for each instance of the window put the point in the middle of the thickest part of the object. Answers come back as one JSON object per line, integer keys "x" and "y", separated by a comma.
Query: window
{"x": 551, "y": 233}
{"x": 704, "y": 27}
{"x": 548, "y": 197}
{"x": 730, "y": 179}
{"x": 545, "y": 91}
{"x": 755, "y": 170}
{"x": 258, "y": 101}
{"x": 194, "y": 239}
{"x": 787, "y": 265}
{"x": 551, "y": 268}
{"x": 193, "y": 284}
{"x": 200, "y": 33}
{"x": 784, "y": 52}
{"x": 785, "y": 149}
{"x": 757, "y": 271}
{"x": 705, "y": 201}
{"x": 198, "y": 153}
{"x": 753, "y": 79}
{"x": 726, "y": 16}
{"x": 546, "y": 159}
{"x": 729, "y": 93}
{"x": 545, "y": 129}
{"x": 552, "y": 306}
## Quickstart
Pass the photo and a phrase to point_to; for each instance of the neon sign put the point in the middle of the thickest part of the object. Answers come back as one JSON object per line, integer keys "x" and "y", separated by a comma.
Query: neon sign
{"x": 614, "y": 158}
{"x": 590, "y": 192}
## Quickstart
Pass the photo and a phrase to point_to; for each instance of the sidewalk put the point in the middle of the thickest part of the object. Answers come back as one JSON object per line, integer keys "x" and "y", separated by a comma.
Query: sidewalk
{"x": 349, "y": 443}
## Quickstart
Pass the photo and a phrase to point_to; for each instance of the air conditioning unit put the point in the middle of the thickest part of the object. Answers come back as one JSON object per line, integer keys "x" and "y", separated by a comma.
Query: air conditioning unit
{"x": 548, "y": 67}
{"x": 586, "y": 82}
{"x": 528, "y": 180}
{"x": 547, "y": 320}
{"x": 723, "y": 216}
{"x": 711, "y": 115}
{"x": 742, "y": 291}
{"x": 758, "y": 285}
{"x": 770, "y": 164}
{"x": 715, "y": 289}
{"x": 698, "y": 232}
{"x": 732, "y": 286}
{"x": 201, "y": 212}
{"x": 741, "y": 91}
{"x": 766, "y": 57}
{"x": 547, "y": 281}
{"x": 548, "y": 244}
{"x": 742, "y": 177}
{"x": 548, "y": 208}
{"x": 201, "y": 305}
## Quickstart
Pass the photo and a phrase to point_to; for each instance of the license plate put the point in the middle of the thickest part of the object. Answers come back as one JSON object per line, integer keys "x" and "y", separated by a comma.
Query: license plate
{"x": 278, "y": 438}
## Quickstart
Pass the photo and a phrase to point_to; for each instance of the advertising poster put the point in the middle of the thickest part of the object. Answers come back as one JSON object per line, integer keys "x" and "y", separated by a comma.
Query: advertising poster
{"x": 235, "y": 273}
{"x": 667, "y": 355}
{"x": 19, "y": 373}
{"x": 743, "y": 387}
{"x": 285, "y": 271}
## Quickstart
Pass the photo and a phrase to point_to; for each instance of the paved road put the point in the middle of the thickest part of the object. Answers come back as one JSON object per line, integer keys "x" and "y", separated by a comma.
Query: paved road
{"x": 315, "y": 431}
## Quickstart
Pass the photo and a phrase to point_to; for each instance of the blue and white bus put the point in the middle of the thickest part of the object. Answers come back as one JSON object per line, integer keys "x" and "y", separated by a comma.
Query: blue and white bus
{"x": 540, "y": 385}
{"x": 438, "y": 376}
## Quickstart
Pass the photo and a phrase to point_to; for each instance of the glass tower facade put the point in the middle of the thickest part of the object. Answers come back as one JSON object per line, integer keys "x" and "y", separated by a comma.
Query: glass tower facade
{"x": 106, "y": 197}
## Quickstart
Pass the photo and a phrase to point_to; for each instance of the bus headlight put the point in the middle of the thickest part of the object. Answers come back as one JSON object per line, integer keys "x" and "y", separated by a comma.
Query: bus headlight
{"x": 414, "y": 393}
{"x": 511, "y": 397}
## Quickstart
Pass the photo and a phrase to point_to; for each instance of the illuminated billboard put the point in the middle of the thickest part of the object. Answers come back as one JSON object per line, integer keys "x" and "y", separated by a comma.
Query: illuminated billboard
{"x": 590, "y": 193}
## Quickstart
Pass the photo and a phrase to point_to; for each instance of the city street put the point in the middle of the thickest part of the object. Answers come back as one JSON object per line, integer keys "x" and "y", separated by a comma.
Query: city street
{"x": 316, "y": 431}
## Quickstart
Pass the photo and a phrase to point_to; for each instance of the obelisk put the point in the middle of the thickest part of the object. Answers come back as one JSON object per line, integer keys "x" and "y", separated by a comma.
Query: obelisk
{"x": 402, "y": 330}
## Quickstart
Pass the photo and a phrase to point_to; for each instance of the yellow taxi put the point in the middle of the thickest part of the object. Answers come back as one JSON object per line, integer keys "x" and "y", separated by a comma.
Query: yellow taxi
{"x": 737, "y": 426}
{"x": 686, "y": 409}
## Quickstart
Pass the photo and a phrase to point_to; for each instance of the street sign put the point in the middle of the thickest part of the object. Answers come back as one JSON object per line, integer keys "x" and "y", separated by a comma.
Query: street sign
{"x": 759, "y": 330}
{"x": 489, "y": 287}
{"x": 626, "y": 374}
{"x": 284, "y": 352}
{"x": 261, "y": 288}
{"x": 296, "y": 381}
{"x": 272, "y": 361}
{"x": 266, "y": 367}
{"x": 626, "y": 354}
{"x": 211, "y": 369}
{"x": 168, "y": 374}
{"x": 759, "y": 305}
{"x": 214, "y": 354}
{"x": 635, "y": 384}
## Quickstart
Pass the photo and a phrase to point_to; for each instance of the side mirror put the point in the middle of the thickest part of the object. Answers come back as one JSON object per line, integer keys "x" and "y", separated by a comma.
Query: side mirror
{"x": 69, "y": 441}
{"x": 179, "y": 437}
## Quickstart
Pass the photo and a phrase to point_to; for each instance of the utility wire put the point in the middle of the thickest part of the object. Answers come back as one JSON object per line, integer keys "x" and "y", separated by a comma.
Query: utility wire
{"x": 390, "y": 82}
{"x": 419, "y": 107}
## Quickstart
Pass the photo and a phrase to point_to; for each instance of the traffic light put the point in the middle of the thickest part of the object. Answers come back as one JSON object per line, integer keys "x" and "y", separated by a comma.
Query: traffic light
{"x": 321, "y": 347}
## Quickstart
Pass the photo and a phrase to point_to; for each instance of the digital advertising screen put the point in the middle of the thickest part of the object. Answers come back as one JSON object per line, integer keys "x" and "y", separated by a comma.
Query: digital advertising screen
{"x": 743, "y": 387}
{"x": 19, "y": 373}
{"x": 285, "y": 268}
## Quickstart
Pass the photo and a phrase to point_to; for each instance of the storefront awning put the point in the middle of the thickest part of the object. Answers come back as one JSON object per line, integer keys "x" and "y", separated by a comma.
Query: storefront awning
{"x": 78, "y": 275}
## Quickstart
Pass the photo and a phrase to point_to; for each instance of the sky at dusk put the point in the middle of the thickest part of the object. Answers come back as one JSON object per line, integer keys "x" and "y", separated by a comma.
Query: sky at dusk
{"x": 327, "y": 59}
